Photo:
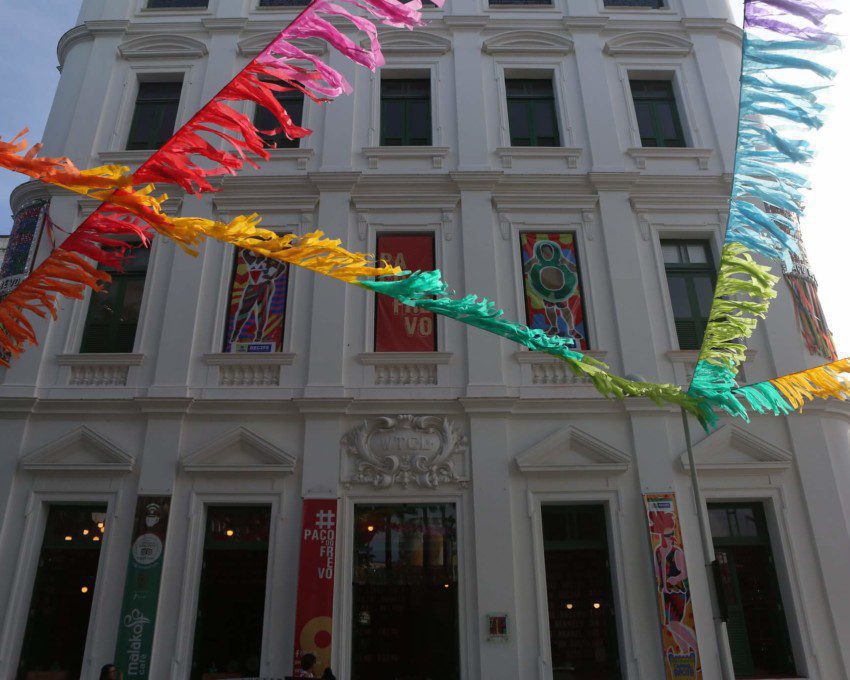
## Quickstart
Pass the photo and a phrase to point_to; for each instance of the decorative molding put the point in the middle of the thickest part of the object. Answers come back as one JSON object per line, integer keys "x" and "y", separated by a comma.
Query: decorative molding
{"x": 570, "y": 155}
{"x": 549, "y": 370}
{"x": 418, "y": 43}
{"x": 375, "y": 154}
{"x": 257, "y": 42}
{"x": 733, "y": 450}
{"x": 545, "y": 197}
{"x": 224, "y": 24}
{"x": 588, "y": 219}
{"x": 527, "y": 42}
{"x": 648, "y": 43}
{"x": 447, "y": 219}
{"x": 667, "y": 153}
{"x": 28, "y": 192}
{"x": 301, "y": 157}
{"x": 572, "y": 450}
{"x": 81, "y": 451}
{"x": 162, "y": 46}
{"x": 239, "y": 451}
{"x": 99, "y": 370}
{"x": 71, "y": 38}
{"x": 241, "y": 369}
{"x": 405, "y": 368}
{"x": 405, "y": 450}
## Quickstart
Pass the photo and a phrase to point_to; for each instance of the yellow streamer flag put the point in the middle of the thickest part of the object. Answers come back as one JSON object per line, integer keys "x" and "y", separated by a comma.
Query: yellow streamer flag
{"x": 821, "y": 382}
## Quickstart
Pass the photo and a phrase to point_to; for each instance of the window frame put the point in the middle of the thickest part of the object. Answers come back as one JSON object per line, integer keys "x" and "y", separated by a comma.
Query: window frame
{"x": 677, "y": 117}
{"x": 683, "y": 269}
{"x": 135, "y": 112}
{"x": 528, "y": 99}
{"x": 299, "y": 144}
{"x": 166, "y": 8}
{"x": 405, "y": 131}
{"x": 135, "y": 75}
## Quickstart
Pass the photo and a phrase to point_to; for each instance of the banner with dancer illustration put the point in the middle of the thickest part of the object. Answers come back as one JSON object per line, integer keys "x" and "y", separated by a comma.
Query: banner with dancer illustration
{"x": 257, "y": 304}
{"x": 675, "y": 605}
{"x": 553, "y": 299}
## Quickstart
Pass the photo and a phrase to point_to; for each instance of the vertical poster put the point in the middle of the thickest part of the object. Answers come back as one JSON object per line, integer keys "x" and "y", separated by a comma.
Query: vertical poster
{"x": 553, "y": 296}
{"x": 23, "y": 242}
{"x": 399, "y": 328}
{"x": 675, "y": 606}
{"x": 257, "y": 304}
{"x": 141, "y": 589}
{"x": 314, "y": 609}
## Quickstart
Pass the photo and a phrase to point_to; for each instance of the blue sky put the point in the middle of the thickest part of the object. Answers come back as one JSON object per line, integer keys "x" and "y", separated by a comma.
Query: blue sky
{"x": 30, "y": 29}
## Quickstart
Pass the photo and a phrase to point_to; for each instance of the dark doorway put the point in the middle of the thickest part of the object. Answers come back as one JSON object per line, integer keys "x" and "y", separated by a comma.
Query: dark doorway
{"x": 756, "y": 624}
{"x": 405, "y": 623}
{"x": 582, "y": 619}
{"x": 232, "y": 594}
{"x": 58, "y": 620}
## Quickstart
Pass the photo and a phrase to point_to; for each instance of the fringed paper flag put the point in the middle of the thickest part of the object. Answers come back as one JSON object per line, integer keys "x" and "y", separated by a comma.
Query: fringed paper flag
{"x": 783, "y": 40}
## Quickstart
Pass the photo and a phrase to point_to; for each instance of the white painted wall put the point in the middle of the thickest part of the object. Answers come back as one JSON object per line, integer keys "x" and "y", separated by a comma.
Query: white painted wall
{"x": 172, "y": 403}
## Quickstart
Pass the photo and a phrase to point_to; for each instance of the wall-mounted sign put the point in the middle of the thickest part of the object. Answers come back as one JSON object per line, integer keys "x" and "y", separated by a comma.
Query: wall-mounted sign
{"x": 497, "y": 627}
{"x": 675, "y": 605}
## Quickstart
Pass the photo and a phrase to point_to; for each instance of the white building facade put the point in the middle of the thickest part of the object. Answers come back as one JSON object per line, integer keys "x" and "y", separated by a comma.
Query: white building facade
{"x": 478, "y": 484}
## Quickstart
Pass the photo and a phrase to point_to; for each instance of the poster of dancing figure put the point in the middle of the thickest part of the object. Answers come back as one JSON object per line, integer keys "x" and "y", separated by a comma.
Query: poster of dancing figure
{"x": 257, "y": 304}
{"x": 553, "y": 297}
{"x": 678, "y": 631}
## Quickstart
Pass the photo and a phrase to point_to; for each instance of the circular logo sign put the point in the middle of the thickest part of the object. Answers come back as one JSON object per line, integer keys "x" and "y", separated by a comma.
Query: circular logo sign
{"x": 146, "y": 549}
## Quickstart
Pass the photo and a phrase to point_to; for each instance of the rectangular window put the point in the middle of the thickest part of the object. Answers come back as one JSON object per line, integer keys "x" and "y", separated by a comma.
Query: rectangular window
{"x": 691, "y": 278}
{"x": 657, "y": 113}
{"x": 399, "y": 328}
{"x": 531, "y": 112}
{"x": 232, "y": 593}
{"x": 405, "y": 600}
{"x": 155, "y": 114}
{"x": 756, "y": 622}
{"x": 113, "y": 314}
{"x": 582, "y": 620}
{"x": 58, "y": 620}
{"x": 257, "y": 304}
{"x": 293, "y": 102}
{"x": 174, "y": 4}
{"x": 551, "y": 278}
{"x": 649, "y": 4}
{"x": 406, "y": 112}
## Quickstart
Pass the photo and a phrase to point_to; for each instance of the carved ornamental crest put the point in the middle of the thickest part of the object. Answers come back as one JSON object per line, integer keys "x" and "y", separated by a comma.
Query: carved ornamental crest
{"x": 405, "y": 450}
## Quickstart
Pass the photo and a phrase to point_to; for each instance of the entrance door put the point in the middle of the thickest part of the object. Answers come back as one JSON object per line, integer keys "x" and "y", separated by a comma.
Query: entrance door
{"x": 756, "y": 624}
{"x": 405, "y": 614}
{"x": 582, "y": 619}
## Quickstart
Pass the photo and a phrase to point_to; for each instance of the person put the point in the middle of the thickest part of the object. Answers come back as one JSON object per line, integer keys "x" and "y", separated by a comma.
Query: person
{"x": 110, "y": 672}
{"x": 328, "y": 674}
{"x": 308, "y": 660}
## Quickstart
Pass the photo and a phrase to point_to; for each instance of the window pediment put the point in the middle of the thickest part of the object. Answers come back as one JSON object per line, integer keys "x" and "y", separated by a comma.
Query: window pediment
{"x": 81, "y": 451}
{"x": 571, "y": 449}
{"x": 407, "y": 42}
{"x": 239, "y": 451}
{"x": 254, "y": 44}
{"x": 734, "y": 450}
{"x": 528, "y": 42}
{"x": 162, "y": 46}
{"x": 646, "y": 43}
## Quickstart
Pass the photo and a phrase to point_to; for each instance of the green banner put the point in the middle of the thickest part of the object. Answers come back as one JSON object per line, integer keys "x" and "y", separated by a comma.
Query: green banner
{"x": 141, "y": 589}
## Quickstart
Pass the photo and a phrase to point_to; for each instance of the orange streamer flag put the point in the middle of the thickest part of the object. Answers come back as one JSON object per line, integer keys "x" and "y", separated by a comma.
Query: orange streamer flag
{"x": 138, "y": 213}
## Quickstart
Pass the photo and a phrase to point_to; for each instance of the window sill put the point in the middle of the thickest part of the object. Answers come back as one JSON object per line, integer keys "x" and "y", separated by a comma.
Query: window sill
{"x": 100, "y": 359}
{"x": 405, "y": 368}
{"x": 241, "y": 369}
{"x": 570, "y": 155}
{"x": 376, "y": 154}
{"x": 546, "y": 369}
{"x": 685, "y": 360}
{"x": 106, "y": 369}
{"x": 673, "y": 153}
{"x": 300, "y": 156}
{"x": 246, "y": 358}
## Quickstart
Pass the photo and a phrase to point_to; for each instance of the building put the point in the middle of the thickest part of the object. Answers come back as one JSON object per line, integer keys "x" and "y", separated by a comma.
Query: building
{"x": 490, "y": 520}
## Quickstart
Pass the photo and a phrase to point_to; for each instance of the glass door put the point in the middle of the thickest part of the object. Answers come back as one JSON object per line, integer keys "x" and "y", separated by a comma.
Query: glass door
{"x": 405, "y": 613}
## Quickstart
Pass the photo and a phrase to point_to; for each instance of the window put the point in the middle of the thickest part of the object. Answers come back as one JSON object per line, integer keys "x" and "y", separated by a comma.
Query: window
{"x": 690, "y": 279}
{"x": 113, "y": 313}
{"x": 257, "y": 304}
{"x": 649, "y": 4}
{"x": 582, "y": 620}
{"x": 756, "y": 623}
{"x": 657, "y": 114}
{"x": 406, "y": 112}
{"x": 232, "y": 593}
{"x": 399, "y": 328}
{"x": 293, "y": 102}
{"x": 58, "y": 619}
{"x": 174, "y": 4}
{"x": 553, "y": 294}
{"x": 155, "y": 114}
{"x": 405, "y": 592}
{"x": 531, "y": 112}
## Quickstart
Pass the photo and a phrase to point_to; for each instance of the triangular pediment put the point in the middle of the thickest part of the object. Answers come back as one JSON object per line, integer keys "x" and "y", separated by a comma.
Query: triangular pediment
{"x": 407, "y": 42}
{"x": 639, "y": 43}
{"x": 733, "y": 449}
{"x": 572, "y": 450}
{"x": 239, "y": 450}
{"x": 528, "y": 42}
{"x": 254, "y": 44}
{"x": 162, "y": 46}
{"x": 81, "y": 451}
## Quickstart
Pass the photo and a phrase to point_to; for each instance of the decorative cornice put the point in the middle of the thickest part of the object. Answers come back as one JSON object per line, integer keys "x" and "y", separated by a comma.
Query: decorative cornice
{"x": 465, "y": 21}
{"x": 100, "y": 359}
{"x": 26, "y": 193}
{"x": 374, "y": 154}
{"x": 255, "y": 43}
{"x": 643, "y": 43}
{"x": 762, "y": 457}
{"x": 75, "y": 36}
{"x": 570, "y": 155}
{"x": 161, "y": 46}
{"x": 476, "y": 180}
{"x": 340, "y": 180}
{"x": 528, "y": 42}
{"x": 613, "y": 181}
{"x": 643, "y": 153}
{"x": 544, "y": 198}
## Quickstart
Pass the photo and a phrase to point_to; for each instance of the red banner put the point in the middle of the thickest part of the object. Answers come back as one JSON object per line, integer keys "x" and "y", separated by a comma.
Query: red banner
{"x": 399, "y": 328}
{"x": 314, "y": 610}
